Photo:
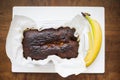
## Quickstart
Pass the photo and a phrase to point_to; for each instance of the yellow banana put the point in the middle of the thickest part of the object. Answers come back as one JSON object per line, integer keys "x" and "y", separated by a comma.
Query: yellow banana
{"x": 97, "y": 40}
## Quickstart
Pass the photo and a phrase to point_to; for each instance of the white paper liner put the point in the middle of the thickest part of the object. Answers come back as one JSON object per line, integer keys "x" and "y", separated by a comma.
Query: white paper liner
{"x": 64, "y": 67}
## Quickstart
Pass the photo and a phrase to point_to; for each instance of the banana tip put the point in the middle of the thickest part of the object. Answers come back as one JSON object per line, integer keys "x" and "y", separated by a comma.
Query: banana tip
{"x": 85, "y": 14}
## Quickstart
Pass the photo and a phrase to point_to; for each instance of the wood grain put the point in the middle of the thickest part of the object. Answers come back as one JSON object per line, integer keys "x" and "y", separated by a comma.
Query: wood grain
{"x": 112, "y": 39}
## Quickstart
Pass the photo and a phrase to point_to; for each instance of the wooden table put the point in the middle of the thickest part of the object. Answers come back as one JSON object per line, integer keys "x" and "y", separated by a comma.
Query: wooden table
{"x": 112, "y": 39}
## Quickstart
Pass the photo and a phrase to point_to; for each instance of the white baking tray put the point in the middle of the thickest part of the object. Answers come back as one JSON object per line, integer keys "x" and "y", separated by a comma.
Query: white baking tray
{"x": 62, "y": 13}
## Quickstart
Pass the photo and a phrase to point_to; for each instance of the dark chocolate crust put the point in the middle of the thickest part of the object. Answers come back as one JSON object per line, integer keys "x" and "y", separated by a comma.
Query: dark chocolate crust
{"x": 40, "y": 44}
